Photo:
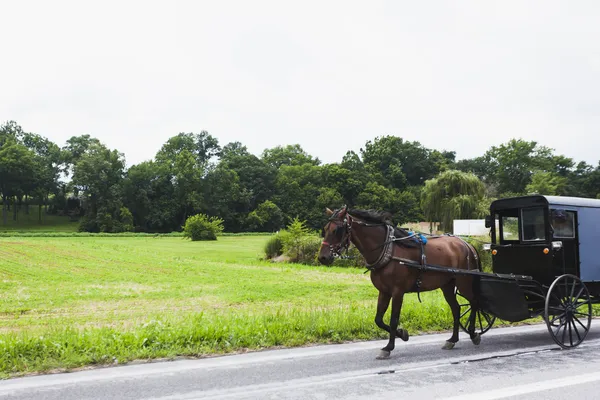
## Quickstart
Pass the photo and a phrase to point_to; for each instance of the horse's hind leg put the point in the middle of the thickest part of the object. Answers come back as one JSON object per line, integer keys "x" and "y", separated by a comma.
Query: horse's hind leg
{"x": 383, "y": 302}
{"x": 448, "y": 290}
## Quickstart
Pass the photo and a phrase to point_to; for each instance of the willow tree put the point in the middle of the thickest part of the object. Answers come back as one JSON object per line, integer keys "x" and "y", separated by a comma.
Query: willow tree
{"x": 453, "y": 195}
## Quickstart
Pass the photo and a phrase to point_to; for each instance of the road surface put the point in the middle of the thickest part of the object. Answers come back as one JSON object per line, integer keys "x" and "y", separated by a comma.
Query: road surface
{"x": 510, "y": 363}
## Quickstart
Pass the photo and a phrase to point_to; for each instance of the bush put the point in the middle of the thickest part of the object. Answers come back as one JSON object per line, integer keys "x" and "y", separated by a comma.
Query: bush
{"x": 274, "y": 247}
{"x": 294, "y": 238}
{"x": 202, "y": 227}
{"x": 354, "y": 260}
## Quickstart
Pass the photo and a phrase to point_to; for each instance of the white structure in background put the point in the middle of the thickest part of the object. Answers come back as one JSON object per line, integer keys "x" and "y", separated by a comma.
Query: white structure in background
{"x": 470, "y": 227}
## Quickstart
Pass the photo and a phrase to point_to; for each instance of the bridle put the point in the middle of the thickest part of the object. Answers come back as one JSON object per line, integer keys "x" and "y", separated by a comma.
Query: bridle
{"x": 344, "y": 243}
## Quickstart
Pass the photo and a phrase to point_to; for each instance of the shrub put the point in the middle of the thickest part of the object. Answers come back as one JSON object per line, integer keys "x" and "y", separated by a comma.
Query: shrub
{"x": 274, "y": 247}
{"x": 353, "y": 260}
{"x": 202, "y": 227}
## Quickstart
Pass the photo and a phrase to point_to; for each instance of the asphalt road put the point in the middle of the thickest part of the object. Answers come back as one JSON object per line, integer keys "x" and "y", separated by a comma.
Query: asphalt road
{"x": 510, "y": 363}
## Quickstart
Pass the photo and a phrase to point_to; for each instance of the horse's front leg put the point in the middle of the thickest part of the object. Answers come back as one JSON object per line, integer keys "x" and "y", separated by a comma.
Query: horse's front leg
{"x": 383, "y": 302}
{"x": 394, "y": 320}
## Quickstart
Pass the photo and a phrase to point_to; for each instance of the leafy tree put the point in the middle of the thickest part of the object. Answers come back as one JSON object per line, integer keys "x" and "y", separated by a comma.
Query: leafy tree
{"x": 256, "y": 177}
{"x": 149, "y": 193}
{"x": 75, "y": 148}
{"x": 403, "y": 205}
{"x": 452, "y": 195}
{"x": 98, "y": 175}
{"x": 201, "y": 146}
{"x": 12, "y": 131}
{"x": 400, "y": 163}
{"x": 547, "y": 183}
{"x": 266, "y": 218}
{"x": 18, "y": 172}
{"x": 297, "y": 191}
{"x": 290, "y": 155}
{"x": 511, "y": 165}
{"x": 225, "y": 198}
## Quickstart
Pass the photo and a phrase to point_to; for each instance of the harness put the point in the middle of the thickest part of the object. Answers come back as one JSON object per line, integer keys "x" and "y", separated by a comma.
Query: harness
{"x": 387, "y": 251}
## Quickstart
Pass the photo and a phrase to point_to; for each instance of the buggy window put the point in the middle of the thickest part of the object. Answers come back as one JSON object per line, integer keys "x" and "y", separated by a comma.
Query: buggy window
{"x": 563, "y": 223}
{"x": 532, "y": 220}
{"x": 510, "y": 228}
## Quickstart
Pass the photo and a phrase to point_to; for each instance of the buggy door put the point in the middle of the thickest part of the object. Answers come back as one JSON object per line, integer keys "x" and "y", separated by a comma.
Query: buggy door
{"x": 564, "y": 229}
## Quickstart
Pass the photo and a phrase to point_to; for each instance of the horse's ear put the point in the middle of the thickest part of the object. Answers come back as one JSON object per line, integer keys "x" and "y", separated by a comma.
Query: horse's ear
{"x": 328, "y": 211}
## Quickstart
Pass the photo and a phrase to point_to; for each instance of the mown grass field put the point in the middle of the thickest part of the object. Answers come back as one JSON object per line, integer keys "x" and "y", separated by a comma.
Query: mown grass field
{"x": 68, "y": 302}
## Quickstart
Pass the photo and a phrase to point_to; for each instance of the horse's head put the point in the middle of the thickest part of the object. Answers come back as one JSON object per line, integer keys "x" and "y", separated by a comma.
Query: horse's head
{"x": 336, "y": 235}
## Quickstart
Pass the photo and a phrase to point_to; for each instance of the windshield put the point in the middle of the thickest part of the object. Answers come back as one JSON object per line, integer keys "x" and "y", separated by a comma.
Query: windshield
{"x": 533, "y": 223}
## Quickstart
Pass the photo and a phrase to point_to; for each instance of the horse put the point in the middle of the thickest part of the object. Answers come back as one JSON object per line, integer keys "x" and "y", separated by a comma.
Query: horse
{"x": 387, "y": 249}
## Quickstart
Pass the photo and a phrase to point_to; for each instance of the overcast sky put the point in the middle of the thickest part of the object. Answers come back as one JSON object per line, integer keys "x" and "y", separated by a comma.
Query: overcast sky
{"x": 329, "y": 75}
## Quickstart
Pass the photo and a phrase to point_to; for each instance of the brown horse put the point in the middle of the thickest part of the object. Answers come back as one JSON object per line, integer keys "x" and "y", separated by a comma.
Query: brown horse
{"x": 386, "y": 249}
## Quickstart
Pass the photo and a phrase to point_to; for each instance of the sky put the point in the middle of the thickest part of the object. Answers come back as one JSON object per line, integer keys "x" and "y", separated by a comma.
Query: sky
{"x": 329, "y": 75}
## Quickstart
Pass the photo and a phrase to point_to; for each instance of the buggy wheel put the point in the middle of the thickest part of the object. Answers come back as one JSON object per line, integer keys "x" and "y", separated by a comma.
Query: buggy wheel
{"x": 483, "y": 320}
{"x": 568, "y": 311}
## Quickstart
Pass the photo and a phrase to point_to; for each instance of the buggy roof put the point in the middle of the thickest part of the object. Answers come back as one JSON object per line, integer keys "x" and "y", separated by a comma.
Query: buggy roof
{"x": 540, "y": 200}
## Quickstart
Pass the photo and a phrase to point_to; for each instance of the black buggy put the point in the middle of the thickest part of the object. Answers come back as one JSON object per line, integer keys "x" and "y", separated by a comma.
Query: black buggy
{"x": 544, "y": 264}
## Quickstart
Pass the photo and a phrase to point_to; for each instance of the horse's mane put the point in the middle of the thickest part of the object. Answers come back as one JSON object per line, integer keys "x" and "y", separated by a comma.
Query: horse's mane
{"x": 372, "y": 216}
{"x": 382, "y": 217}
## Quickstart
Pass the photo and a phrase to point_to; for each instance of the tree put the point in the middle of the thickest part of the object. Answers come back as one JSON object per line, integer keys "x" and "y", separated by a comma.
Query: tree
{"x": 452, "y": 195}
{"x": 256, "y": 177}
{"x": 266, "y": 218}
{"x": 149, "y": 193}
{"x": 403, "y": 205}
{"x": 202, "y": 146}
{"x": 98, "y": 175}
{"x": 547, "y": 183}
{"x": 511, "y": 165}
{"x": 400, "y": 163}
{"x": 17, "y": 172}
{"x": 290, "y": 155}
{"x": 75, "y": 148}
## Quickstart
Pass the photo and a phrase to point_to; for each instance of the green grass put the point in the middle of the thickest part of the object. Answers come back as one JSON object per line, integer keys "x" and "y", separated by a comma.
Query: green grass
{"x": 30, "y": 222}
{"x": 70, "y": 302}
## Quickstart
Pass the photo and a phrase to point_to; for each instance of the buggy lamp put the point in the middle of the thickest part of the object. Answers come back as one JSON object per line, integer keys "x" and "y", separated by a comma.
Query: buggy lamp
{"x": 494, "y": 252}
{"x": 556, "y": 245}
{"x": 546, "y": 251}
{"x": 487, "y": 246}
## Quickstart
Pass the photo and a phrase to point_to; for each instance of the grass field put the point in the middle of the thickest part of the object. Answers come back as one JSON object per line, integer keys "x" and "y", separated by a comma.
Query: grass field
{"x": 30, "y": 222}
{"x": 70, "y": 302}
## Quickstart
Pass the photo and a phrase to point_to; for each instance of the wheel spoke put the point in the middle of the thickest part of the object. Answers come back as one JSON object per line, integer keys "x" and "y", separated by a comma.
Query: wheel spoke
{"x": 487, "y": 318}
{"x": 570, "y": 334}
{"x": 578, "y": 295}
{"x": 463, "y": 314}
{"x": 573, "y": 289}
{"x": 576, "y": 331}
{"x": 577, "y": 305}
{"x": 557, "y": 317}
{"x": 579, "y": 322}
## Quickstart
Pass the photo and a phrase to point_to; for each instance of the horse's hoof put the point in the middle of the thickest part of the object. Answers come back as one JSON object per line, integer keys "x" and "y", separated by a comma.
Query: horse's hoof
{"x": 402, "y": 334}
{"x": 448, "y": 345}
{"x": 384, "y": 355}
{"x": 476, "y": 339}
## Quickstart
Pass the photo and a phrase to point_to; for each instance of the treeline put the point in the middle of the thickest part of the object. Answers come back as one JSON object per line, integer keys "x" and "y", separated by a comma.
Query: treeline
{"x": 193, "y": 173}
